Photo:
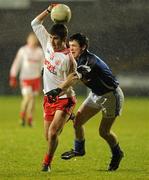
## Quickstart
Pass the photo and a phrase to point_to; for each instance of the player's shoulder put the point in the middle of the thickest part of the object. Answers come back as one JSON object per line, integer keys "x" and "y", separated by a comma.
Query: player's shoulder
{"x": 38, "y": 48}
{"x": 65, "y": 51}
{"x": 64, "y": 54}
{"x": 89, "y": 56}
{"x": 22, "y": 49}
{"x": 95, "y": 57}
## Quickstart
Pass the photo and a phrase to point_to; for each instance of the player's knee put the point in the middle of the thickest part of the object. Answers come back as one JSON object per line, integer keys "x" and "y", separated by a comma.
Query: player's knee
{"x": 46, "y": 137}
{"x": 53, "y": 133}
{"x": 103, "y": 133}
{"x": 77, "y": 123}
{"x": 28, "y": 97}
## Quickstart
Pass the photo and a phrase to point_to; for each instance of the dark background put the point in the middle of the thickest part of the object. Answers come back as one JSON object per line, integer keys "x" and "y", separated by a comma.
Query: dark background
{"x": 118, "y": 31}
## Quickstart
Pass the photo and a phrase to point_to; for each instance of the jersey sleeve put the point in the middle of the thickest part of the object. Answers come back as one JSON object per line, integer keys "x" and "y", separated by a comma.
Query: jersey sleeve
{"x": 40, "y": 32}
{"x": 16, "y": 65}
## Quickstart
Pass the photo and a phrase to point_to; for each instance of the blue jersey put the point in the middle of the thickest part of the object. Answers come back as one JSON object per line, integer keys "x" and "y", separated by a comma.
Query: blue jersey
{"x": 96, "y": 74}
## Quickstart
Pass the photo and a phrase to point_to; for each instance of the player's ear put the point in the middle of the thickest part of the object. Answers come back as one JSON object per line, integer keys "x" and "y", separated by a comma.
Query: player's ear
{"x": 84, "y": 47}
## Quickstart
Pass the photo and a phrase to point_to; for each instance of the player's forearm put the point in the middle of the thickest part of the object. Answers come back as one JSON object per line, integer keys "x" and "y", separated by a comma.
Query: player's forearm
{"x": 42, "y": 16}
{"x": 62, "y": 88}
{"x": 15, "y": 68}
{"x": 65, "y": 85}
{"x": 70, "y": 81}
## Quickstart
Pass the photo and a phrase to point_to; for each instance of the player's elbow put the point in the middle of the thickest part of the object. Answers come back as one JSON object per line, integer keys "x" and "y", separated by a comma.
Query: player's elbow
{"x": 32, "y": 22}
{"x": 35, "y": 22}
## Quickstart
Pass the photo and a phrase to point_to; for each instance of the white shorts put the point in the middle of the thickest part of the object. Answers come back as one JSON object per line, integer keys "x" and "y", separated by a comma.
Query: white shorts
{"x": 28, "y": 91}
{"x": 110, "y": 103}
{"x": 30, "y": 86}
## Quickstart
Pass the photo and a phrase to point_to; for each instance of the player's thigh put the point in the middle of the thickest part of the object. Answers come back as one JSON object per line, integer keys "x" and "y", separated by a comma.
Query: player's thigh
{"x": 112, "y": 107}
{"x": 27, "y": 92}
{"x": 84, "y": 113}
{"x": 58, "y": 122}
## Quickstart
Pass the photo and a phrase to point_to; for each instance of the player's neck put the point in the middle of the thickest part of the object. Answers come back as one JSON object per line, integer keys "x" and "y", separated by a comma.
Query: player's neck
{"x": 32, "y": 46}
{"x": 61, "y": 48}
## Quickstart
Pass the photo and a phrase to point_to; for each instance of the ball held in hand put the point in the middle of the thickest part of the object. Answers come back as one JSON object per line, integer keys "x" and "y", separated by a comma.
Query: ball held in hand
{"x": 61, "y": 13}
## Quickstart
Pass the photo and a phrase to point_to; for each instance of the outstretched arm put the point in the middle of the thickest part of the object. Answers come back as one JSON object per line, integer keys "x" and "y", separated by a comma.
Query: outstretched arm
{"x": 41, "y": 17}
{"x": 39, "y": 29}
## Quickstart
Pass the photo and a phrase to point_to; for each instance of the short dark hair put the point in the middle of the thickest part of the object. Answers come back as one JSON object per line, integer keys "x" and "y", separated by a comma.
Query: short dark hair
{"x": 60, "y": 30}
{"x": 81, "y": 39}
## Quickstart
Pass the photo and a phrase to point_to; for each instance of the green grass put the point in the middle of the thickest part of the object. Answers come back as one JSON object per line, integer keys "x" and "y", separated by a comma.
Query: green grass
{"x": 22, "y": 149}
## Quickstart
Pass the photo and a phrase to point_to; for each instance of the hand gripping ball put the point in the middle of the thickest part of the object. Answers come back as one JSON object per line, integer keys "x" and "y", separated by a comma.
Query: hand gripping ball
{"x": 61, "y": 13}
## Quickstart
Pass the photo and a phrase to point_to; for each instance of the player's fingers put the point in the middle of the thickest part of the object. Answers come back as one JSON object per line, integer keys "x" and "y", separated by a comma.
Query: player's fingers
{"x": 54, "y": 4}
{"x": 51, "y": 6}
{"x": 73, "y": 76}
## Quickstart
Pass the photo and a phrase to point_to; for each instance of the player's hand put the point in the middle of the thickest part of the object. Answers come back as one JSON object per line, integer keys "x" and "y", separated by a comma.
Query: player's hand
{"x": 72, "y": 76}
{"x": 51, "y": 6}
{"x": 13, "y": 82}
{"x": 83, "y": 70}
{"x": 71, "y": 117}
{"x": 71, "y": 80}
{"x": 53, "y": 94}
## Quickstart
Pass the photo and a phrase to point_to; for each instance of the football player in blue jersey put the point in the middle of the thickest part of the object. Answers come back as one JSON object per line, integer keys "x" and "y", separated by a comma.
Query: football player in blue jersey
{"x": 105, "y": 96}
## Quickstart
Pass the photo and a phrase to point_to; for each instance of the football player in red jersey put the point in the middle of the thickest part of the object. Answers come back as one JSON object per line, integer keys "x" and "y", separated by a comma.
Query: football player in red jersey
{"x": 59, "y": 63}
{"x": 28, "y": 64}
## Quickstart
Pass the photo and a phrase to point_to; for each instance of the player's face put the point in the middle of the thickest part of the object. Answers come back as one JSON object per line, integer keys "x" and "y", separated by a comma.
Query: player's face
{"x": 56, "y": 42}
{"x": 75, "y": 49}
{"x": 32, "y": 40}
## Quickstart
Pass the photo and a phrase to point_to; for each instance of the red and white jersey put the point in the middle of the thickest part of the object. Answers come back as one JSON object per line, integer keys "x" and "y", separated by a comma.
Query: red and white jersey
{"x": 57, "y": 63}
{"x": 28, "y": 63}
